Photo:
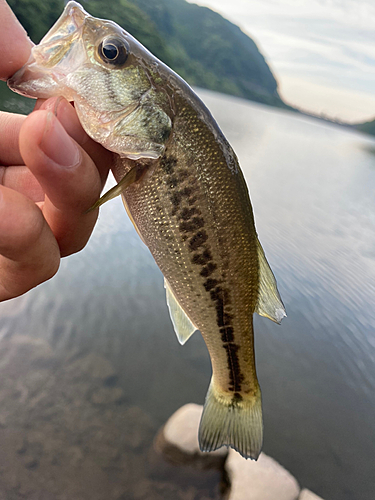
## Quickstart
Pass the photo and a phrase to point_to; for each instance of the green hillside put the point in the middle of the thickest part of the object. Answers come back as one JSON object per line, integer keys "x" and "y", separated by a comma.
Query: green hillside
{"x": 209, "y": 51}
{"x": 199, "y": 44}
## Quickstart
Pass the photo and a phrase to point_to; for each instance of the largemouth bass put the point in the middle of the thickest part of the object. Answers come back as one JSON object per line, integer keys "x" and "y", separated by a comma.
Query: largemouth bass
{"x": 185, "y": 193}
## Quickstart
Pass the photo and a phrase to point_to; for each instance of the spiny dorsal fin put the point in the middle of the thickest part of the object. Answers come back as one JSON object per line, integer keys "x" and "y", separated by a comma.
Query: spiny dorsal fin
{"x": 183, "y": 327}
{"x": 269, "y": 301}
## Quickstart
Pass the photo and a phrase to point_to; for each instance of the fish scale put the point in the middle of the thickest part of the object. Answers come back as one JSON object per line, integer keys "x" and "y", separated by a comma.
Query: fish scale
{"x": 185, "y": 193}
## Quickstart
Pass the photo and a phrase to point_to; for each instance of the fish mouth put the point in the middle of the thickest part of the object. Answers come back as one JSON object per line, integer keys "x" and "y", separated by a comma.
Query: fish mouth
{"x": 71, "y": 21}
{"x": 59, "y": 51}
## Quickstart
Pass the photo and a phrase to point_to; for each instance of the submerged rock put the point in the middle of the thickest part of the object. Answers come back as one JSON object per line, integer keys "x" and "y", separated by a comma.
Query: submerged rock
{"x": 308, "y": 495}
{"x": 177, "y": 441}
{"x": 67, "y": 432}
{"x": 264, "y": 479}
{"x": 92, "y": 365}
{"x": 107, "y": 395}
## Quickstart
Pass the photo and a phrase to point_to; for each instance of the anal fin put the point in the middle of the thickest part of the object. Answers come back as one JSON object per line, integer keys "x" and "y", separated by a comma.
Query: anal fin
{"x": 183, "y": 327}
{"x": 269, "y": 302}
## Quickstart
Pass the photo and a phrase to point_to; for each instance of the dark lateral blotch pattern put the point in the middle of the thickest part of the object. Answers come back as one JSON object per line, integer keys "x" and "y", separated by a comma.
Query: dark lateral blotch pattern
{"x": 191, "y": 226}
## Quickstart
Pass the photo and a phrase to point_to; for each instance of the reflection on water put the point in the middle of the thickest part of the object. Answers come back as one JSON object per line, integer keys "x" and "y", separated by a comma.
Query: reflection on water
{"x": 90, "y": 366}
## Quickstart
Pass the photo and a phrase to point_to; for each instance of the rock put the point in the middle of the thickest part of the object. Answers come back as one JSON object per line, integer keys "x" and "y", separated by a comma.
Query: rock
{"x": 178, "y": 440}
{"x": 264, "y": 479}
{"x": 93, "y": 366}
{"x": 75, "y": 456}
{"x": 139, "y": 427}
{"x": 308, "y": 495}
{"x": 3, "y": 421}
{"x": 22, "y": 350}
{"x": 67, "y": 432}
{"x": 156, "y": 490}
{"x": 107, "y": 395}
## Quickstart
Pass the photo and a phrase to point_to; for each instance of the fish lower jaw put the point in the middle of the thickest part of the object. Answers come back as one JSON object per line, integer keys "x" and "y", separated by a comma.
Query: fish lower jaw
{"x": 31, "y": 81}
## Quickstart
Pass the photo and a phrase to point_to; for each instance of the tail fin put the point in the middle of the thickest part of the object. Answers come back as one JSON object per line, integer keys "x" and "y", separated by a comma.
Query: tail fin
{"x": 233, "y": 422}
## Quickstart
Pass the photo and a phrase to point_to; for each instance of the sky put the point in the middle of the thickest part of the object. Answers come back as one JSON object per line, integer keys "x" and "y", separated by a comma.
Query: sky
{"x": 322, "y": 52}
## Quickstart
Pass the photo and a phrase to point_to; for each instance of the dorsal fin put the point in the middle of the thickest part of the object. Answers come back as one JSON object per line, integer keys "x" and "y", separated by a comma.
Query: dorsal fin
{"x": 269, "y": 301}
{"x": 183, "y": 327}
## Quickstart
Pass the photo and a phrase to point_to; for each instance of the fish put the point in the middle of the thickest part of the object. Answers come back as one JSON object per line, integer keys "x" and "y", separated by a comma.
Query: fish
{"x": 184, "y": 191}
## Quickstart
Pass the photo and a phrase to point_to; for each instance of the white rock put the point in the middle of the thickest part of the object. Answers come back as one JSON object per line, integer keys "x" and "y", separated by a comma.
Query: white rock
{"x": 308, "y": 495}
{"x": 181, "y": 429}
{"x": 178, "y": 440}
{"x": 264, "y": 479}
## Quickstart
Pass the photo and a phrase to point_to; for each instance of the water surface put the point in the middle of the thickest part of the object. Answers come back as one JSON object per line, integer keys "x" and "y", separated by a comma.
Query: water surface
{"x": 90, "y": 366}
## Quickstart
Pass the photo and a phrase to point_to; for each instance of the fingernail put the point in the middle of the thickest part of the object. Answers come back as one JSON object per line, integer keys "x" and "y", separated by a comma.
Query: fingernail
{"x": 50, "y": 104}
{"x": 57, "y": 104}
{"x": 57, "y": 144}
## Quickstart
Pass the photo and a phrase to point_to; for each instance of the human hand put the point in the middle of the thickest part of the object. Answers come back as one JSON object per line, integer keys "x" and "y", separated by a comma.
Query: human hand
{"x": 50, "y": 173}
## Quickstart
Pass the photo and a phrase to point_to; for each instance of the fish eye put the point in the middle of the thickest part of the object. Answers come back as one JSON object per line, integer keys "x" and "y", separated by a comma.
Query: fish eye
{"x": 113, "y": 51}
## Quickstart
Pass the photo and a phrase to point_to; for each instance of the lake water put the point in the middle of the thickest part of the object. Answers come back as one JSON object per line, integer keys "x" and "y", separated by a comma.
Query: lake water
{"x": 90, "y": 367}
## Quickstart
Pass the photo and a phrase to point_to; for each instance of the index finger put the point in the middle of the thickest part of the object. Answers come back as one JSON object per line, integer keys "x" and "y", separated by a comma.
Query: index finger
{"x": 14, "y": 43}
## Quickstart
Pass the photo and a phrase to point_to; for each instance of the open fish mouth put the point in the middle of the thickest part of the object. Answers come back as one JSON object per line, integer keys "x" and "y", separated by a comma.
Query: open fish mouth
{"x": 59, "y": 52}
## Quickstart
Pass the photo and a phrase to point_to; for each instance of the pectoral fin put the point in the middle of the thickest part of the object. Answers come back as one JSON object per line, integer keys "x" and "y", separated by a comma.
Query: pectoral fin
{"x": 269, "y": 301}
{"x": 183, "y": 327}
{"x": 131, "y": 218}
{"x": 132, "y": 176}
